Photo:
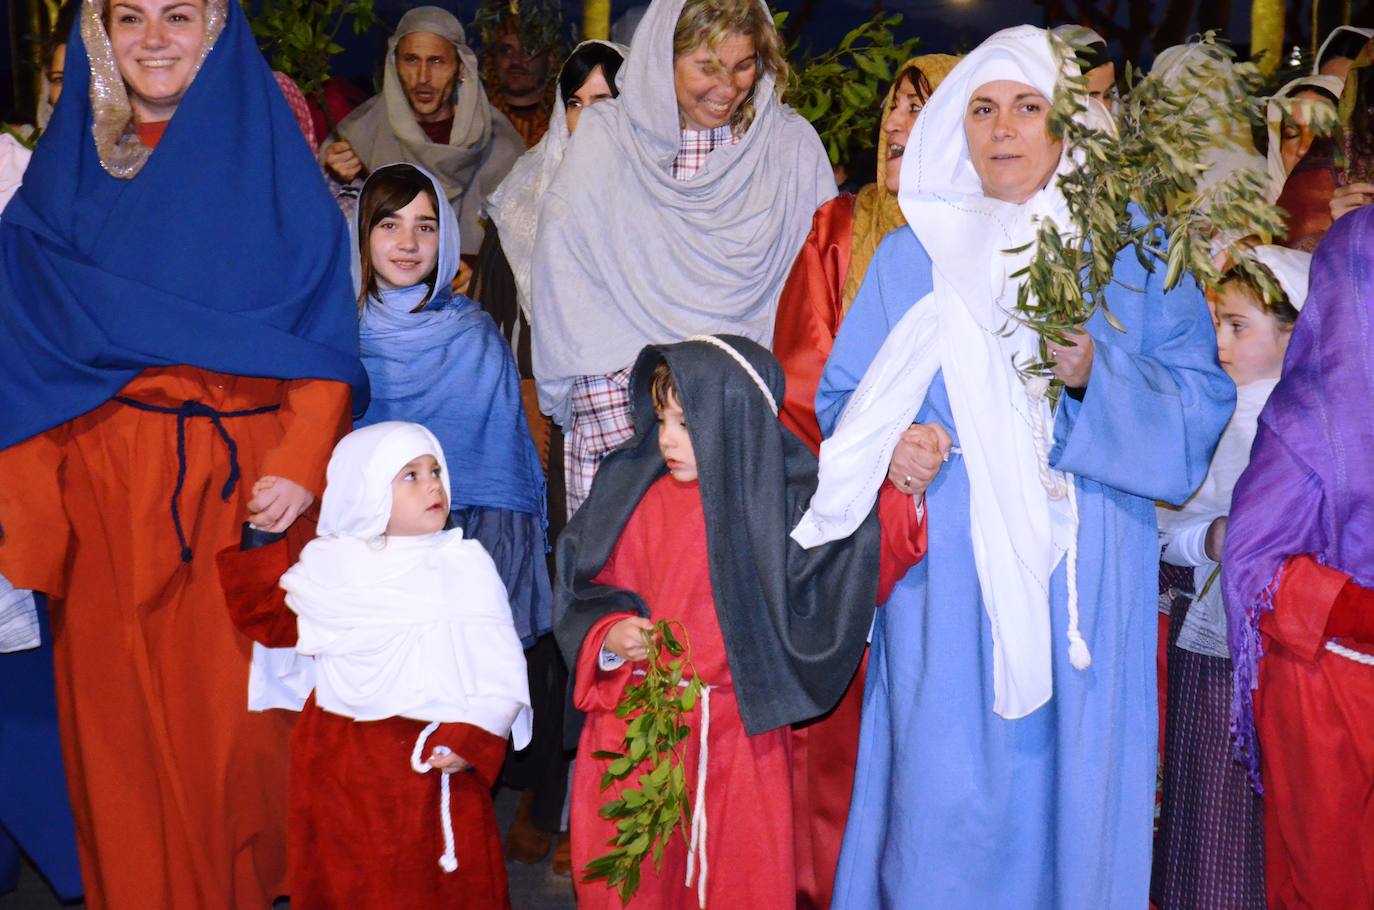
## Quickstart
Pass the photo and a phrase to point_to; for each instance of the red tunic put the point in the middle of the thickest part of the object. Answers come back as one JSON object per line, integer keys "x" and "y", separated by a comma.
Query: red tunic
{"x": 1314, "y": 712}
{"x": 809, "y": 315}
{"x": 749, "y": 849}
{"x": 178, "y": 791}
{"x": 365, "y": 829}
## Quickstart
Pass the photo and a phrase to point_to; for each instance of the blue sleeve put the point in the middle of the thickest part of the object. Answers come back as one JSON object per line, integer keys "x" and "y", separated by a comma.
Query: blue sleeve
{"x": 898, "y": 276}
{"x": 1157, "y": 399}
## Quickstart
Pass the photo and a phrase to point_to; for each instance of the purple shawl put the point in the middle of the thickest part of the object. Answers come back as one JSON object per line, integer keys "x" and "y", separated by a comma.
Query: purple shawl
{"x": 1310, "y": 484}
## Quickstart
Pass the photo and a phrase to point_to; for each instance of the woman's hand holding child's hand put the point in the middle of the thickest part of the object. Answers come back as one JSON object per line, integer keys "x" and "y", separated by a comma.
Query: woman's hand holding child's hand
{"x": 626, "y": 639}
{"x": 921, "y": 451}
{"x": 276, "y": 503}
{"x": 447, "y": 761}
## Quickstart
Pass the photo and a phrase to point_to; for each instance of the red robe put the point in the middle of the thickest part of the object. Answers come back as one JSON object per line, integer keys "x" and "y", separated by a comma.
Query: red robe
{"x": 809, "y": 316}
{"x": 177, "y": 790}
{"x": 1314, "y": 712}
{"x": 364, "y": 828}
{"x": 661, "y": 555}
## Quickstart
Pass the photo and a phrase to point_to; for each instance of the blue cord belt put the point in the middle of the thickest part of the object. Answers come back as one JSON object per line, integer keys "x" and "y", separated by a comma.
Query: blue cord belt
{"x": 186, "y": 411}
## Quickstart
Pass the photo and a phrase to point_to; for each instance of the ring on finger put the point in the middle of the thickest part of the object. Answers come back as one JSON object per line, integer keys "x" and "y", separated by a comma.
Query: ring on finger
{"x": 906, "y": 481}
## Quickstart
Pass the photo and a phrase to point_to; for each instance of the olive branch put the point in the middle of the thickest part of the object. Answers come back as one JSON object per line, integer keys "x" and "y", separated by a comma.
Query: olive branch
{"x": 1145, "y": 187}
{"x": 647, "y": 814}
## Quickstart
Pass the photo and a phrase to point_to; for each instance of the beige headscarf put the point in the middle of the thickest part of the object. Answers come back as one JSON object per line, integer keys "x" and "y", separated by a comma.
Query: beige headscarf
{"x": 876, "y": 213}
{"x": 121, "y": 153}
{"x": 481, "y": 148}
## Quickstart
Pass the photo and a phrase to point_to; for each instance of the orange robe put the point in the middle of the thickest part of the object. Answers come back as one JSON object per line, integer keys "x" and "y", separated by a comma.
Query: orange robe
{"x": 178, "y": 791}
{"x": 1313, "y": 713}
{"x": 824, "y": 751}
{"x": 364, "y": 826}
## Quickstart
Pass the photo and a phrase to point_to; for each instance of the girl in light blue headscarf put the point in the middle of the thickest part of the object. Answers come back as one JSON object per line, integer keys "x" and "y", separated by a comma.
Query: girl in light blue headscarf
{"x": 437, "y": 359}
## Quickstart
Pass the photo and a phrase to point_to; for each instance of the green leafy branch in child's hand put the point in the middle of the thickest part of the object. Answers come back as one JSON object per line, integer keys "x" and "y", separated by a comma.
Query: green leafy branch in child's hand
{"x": 647, "y": 813}
{"x": 841, "y": 91}
{"x": 1153, "y": 158}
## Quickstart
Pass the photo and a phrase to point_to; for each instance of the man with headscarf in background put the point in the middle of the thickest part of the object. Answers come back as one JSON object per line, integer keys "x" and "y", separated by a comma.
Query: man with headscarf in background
{"x": 1095, "y": 61}
{"x": 520, "y": 42}
{"x": 432, "y": 112}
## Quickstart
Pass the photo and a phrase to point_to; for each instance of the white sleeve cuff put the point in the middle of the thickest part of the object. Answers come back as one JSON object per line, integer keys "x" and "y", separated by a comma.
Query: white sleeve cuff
{"x": 609, "y": 660}
{"x": 1188, "y": 547}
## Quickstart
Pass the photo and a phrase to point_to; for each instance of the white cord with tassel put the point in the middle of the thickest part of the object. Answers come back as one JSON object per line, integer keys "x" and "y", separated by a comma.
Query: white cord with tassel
{"x": 449, "y": 861}
{"x": 1059, "y": 486}
{"x": 696, "y": 842}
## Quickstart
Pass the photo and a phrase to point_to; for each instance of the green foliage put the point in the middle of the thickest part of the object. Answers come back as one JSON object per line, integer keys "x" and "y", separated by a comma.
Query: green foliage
{"x": 298, "y": 37}
{"x": 841, "y": 91}
{"x": 647, "y": 814}
{"x": 1156, "y": 161}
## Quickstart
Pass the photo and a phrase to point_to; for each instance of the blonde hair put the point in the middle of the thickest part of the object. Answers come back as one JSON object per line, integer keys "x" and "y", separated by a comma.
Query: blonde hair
{"x": 712, "y": 21}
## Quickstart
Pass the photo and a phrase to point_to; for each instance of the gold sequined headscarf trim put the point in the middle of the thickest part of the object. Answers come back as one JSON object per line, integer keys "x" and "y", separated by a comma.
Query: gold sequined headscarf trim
{"x": 121, "y": 153}
{"x": 876, "y": 213}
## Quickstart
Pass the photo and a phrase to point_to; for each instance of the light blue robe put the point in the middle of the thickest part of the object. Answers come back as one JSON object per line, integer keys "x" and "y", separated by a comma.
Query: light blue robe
{"x": 953, "y": 806}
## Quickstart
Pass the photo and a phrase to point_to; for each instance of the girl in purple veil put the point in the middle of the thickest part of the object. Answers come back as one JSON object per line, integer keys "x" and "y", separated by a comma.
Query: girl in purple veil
{"x": 1298, "y": 566}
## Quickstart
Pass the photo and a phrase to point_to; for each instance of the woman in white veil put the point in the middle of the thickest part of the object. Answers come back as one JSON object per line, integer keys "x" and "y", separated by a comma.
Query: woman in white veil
{"x": 1007, "y": 750}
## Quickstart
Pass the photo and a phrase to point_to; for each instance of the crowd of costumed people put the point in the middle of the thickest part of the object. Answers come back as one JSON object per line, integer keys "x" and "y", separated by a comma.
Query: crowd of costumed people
{"x": 563, "y": 422}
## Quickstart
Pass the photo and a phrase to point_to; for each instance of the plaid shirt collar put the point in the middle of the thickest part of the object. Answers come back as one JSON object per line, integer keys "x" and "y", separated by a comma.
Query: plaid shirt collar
{"x": 695, "y": 146}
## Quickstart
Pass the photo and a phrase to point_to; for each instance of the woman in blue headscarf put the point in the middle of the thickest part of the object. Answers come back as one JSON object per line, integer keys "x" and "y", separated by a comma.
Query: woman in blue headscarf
{"x": 179, "y": 348}
{"x": 437, "y": 359}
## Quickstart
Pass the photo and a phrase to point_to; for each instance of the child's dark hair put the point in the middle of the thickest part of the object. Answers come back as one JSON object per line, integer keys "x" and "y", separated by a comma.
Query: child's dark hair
{"x": 1279, "y": 307}
{"x": 662, "y": 387}
{"x": 582, "y": 62}
{"x": 387, "y": 192}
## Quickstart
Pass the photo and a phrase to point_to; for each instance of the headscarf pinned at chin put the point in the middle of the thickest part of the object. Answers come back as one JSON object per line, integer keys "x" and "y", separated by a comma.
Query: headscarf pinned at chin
{"x": 1022, "y": 513}
{"x": 514, "y": 207}
{"x": 121, "y": 152}
{"x": 628, "y": 256}
{"x": 876, "y": 212}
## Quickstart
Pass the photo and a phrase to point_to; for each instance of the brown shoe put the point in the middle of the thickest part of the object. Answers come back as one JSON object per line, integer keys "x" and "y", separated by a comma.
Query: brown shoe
{"x": 524, "y": 842}
{"x": 562, "y": 857}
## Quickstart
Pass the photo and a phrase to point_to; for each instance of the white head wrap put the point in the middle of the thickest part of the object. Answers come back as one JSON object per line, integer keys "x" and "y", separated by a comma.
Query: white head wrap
{"x": 514, "y": 207}
{"x": 1366, "y": 33}
{"x": 1273, "y": 116}
{"x": 482, "y": 145}
{"x": 627, "y": 255}
{"x": 415, "y": 627}
{"x": 1023, "y": 514}
{"x": 1289, "y": 267}
{"x": 1233, "y": 147}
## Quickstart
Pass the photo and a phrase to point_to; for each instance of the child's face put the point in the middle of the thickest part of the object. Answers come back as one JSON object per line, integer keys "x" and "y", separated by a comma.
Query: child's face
{"x": 404, "y": 247}
{"x": 674, "y": 442}
{"x": 419, "y": 504}
{"x": 1250, "y": 342}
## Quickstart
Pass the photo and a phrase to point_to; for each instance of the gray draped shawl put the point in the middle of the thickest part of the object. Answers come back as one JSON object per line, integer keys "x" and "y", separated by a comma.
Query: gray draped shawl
{"x": 628, "y": 256}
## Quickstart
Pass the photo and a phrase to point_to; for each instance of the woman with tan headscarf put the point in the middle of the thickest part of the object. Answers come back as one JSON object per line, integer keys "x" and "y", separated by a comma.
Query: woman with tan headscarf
{"x": 824, "y": 281}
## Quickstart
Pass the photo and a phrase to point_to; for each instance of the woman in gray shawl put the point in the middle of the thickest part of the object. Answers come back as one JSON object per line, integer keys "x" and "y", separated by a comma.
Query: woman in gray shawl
{"x": 677, "y": 211}
{"x": 397, "y": 125}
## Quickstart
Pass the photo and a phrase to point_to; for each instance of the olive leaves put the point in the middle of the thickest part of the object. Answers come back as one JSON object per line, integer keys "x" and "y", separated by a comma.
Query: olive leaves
{"x": 647, "y": 813}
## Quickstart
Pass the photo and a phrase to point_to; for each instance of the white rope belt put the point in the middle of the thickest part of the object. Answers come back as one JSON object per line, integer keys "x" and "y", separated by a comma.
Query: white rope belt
{"x": 1059, "y": 486}
{"x": 449, "y": 861}
{"x": 696, "y": 842}
{"x": 1358, "y": 657}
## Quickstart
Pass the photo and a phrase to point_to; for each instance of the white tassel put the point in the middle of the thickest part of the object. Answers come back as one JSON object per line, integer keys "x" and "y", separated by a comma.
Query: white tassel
{"x": 449, "y": 861}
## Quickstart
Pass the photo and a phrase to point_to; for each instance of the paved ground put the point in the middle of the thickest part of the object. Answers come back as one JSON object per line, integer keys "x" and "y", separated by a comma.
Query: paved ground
{"x": 531, "y": 887}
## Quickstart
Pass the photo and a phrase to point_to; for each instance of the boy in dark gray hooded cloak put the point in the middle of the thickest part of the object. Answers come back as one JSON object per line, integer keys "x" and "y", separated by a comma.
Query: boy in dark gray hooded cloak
{"x": 775, "y": 631}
